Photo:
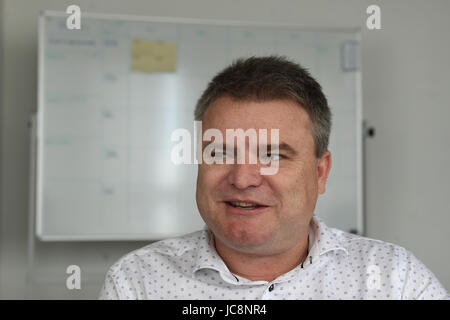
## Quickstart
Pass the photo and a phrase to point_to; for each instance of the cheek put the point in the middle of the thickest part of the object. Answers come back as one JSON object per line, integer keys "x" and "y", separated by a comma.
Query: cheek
{"x": 202, "y": 187}
{"x": 297, "y": 187}
{"x": 209, "y": 180}
{"x": 206, "y": 176}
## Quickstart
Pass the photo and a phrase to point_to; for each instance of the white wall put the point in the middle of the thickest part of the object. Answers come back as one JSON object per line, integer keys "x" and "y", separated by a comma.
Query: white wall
{"x": 406, "y": 75}
{"x": 1, "y": 131}
{"x": 406, "y": 82}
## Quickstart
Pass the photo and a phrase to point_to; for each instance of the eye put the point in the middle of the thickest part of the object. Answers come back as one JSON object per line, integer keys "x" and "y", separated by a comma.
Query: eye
{"x": 274, "y": 156}
{"x": 218, "y": 154}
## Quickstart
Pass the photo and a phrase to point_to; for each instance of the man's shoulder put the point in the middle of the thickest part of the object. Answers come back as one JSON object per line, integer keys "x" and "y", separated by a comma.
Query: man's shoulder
{"x": 358, "y": 245}
{"x": 398, "y": 269}
{"x": 162, "y": 249}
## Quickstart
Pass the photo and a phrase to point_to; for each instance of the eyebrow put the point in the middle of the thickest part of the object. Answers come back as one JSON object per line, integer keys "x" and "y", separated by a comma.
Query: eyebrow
{"x": 281, "y": 147}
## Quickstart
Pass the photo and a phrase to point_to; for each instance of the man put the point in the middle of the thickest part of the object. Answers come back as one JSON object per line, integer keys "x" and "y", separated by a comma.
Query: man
{"x": 262, "y": 240}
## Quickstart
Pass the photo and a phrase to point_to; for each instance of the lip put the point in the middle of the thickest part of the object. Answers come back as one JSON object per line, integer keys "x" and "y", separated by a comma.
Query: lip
{"x": 240, "y": 211}
{"x": 246, "y": 200}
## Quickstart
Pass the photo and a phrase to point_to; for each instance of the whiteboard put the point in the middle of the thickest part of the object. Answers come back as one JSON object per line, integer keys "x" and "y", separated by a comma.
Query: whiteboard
{"x": 103, "y": 162}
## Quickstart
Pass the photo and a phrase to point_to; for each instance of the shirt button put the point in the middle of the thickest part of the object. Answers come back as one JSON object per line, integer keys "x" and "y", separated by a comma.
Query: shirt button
{"x": 271, "y": 287}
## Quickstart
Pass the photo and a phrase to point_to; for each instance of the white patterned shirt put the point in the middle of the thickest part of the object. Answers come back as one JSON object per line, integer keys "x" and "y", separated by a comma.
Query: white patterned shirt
{"x": 339, "y": 265}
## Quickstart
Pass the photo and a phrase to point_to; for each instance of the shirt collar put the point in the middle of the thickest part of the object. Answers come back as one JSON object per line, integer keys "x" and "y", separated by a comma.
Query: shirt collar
{"x": 208, "y": 258}
{"x": 325, "y": 239}
{"x": 322, "y": 240}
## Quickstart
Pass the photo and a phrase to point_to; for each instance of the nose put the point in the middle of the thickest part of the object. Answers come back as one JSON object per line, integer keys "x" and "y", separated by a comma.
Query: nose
{"x": 243, "y": 176}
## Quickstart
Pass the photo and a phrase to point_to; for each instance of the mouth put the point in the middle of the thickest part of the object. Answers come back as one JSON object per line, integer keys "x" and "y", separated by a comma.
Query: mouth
{"x": 244, "y": 206}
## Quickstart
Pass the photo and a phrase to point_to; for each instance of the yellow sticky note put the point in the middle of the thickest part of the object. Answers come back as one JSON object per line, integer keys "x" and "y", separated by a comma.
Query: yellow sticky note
{"x": 153, "y": 56}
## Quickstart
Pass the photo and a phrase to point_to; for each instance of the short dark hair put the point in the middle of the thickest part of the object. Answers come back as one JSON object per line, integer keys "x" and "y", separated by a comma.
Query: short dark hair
{"x": 272, "y": 78}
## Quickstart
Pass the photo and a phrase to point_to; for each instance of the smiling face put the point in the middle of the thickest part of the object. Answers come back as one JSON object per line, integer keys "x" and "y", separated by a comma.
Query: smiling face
{"x": 288, "y": 198}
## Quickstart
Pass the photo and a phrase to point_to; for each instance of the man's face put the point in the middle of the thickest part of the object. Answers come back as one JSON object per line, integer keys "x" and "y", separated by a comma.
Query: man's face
{"x": 288, "y": 198}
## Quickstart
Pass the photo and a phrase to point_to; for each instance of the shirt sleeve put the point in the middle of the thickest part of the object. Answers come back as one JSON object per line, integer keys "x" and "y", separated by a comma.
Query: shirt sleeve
{"x": 109, "y": 290}
{"x": 421, "y": 283}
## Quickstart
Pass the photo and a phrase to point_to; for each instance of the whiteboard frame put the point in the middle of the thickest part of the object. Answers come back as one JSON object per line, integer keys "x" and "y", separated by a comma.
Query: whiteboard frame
{"x": 37, "y": 151}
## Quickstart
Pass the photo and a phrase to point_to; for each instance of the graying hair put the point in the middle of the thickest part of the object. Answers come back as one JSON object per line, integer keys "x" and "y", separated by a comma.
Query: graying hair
{"x": 272, "y": 78}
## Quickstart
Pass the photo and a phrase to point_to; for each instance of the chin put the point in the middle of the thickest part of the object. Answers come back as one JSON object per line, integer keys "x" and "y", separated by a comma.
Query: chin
{"x": 240, "y": 236}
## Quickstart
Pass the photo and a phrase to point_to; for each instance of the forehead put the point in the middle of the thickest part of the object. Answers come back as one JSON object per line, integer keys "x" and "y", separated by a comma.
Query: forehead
{"x": 286, "y": 115}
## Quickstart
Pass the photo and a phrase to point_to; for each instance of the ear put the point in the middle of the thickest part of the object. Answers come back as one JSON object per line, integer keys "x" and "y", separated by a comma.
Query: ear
{"x": 323, "y": 168}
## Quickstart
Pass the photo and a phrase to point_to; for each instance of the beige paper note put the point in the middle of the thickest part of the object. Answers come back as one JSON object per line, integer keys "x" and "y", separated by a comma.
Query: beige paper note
{"x": 153, "y": 56}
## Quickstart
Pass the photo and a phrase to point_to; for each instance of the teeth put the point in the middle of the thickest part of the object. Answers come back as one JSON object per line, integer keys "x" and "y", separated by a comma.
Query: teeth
{"x": 243, "y": 204}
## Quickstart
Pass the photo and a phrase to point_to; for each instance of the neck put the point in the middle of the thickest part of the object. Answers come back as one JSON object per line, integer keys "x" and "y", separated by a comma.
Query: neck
{"x": 263, "y": 267}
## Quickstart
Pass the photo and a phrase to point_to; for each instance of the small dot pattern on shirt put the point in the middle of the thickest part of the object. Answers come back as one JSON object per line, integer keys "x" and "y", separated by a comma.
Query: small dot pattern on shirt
{"x": 339, "y": 265}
